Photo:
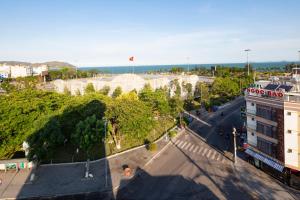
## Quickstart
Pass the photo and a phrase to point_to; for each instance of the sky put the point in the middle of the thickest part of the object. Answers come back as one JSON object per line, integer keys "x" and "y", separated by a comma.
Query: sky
{"x": 106, "y": 33}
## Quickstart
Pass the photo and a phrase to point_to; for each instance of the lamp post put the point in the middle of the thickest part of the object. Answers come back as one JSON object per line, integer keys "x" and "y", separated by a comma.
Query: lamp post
{"x": 247, "y": 52}
{"x": 106, "y": 161}
{"x": 299, "y": 57}
{"x": 234, "y": 143}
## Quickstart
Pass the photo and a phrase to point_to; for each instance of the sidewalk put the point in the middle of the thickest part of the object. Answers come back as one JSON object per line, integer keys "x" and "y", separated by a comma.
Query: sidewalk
{"x": 205, "y": 115}
{"x": 62, "y": 179}
{"x": 250, "y": 175}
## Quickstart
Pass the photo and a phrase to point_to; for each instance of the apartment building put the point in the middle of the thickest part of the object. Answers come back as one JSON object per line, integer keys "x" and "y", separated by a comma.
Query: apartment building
{"x": 15, "y": 71}
{"x": 273, "y": 123}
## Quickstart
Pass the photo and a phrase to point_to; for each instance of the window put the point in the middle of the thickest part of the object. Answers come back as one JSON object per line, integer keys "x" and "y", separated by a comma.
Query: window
{"x": 290, "y": 151}
{"x": 252, "y": 134}
{"x": 266, "y": 147}
{"x": 266, "y": 112}
{"x": 289, "y": 113}
{"x": 267, "y": 130}
{"x": 289, "y": 131}
{"x": 252, "y": 104}
{"x": 252, "y": 118}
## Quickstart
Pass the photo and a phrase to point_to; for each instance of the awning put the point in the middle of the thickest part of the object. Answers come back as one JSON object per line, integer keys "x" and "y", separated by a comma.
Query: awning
{"x": 266, "y": 160}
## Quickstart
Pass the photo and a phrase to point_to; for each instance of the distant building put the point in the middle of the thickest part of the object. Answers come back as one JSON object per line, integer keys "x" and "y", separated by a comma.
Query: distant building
{"x": 273, "y": 124}
{"x": 15, "y": 71}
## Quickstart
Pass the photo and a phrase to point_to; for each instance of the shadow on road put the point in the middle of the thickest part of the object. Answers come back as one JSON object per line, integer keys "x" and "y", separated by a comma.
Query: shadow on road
{"x": 145, "y": 186}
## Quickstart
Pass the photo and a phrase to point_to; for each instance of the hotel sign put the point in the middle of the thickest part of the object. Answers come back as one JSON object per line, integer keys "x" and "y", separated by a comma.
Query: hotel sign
{"x": 263, "y": 92}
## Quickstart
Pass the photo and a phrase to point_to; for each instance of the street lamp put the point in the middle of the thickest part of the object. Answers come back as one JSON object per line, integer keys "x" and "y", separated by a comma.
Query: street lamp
{"x": 234, "y": 143}
{"x": 299, "y": 56}
{"x": 106, "y": 163}
{"x": 247, "y": 51}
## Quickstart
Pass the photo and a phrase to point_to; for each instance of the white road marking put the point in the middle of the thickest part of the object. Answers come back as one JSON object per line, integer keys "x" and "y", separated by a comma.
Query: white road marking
{"x": 177, "y": 141}
{"x": 208, "y": 154}
{"x": 191, "y": 148}
{"x": 214, "y": 155}
{"x": 197, "y": 147}
{"x": 200, "y": 150}
{"x": 187, "y": 146}
{"x": 184, "y": 143}
{"x": 205, "y": 150}
{"x": 219, "y": 156}
{"x": 180, "y": 143}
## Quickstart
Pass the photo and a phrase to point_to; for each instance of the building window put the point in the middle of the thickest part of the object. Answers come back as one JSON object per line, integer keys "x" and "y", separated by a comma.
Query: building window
{"x": 267, "y": 147}
{"x": 267, "y": 130}
{"x": 290, "y": 151}
{"x": 289, "y": 131}
{"x": 266, "y": 112}
{"x": 252, "y": 104}
{"x": 252, "y": 134}
{"x": 289, "y": 113}
{"x": 252, "y": 118}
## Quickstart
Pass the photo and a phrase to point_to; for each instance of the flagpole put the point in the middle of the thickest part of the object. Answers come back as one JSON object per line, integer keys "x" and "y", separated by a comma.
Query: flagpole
{"x": 131, "y": 59}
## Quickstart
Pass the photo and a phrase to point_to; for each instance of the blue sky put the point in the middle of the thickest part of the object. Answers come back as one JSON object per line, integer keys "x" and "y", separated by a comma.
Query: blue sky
{"x": 97, "y": 33}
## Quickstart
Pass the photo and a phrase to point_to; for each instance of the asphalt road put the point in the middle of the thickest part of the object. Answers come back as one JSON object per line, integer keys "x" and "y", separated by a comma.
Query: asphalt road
{"x": 191, "y": 169}
{"x": 231, "y": 118}
{"x": 196, "y": 168}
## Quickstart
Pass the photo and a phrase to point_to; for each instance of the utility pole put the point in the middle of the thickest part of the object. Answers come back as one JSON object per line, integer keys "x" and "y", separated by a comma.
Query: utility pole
{"x": 234, "y": 143}
{"x": 106, "y": 163}
{"x": 247, "y": 51}
{"x": 200, "y": 95}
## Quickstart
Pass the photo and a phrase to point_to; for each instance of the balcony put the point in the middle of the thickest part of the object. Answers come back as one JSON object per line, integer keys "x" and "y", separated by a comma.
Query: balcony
{"x": 294, "y": 98}
{"x": 261, "y": 119}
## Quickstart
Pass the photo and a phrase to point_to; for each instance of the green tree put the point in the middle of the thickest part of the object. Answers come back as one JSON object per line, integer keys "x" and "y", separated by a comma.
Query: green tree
{"x": 89, "y": 88}
{"x": 157, "y": 100}
{"x": 225, "y": 87}
{"x": 128, "y": 118}
{"x": 88, "y": 133}
{"x": 175, "y": 86}
{"x": 176, "y": 105}
{"x": 105, "y": 90}
{"x": 290, "y": 66}
{"x": 188, "y": 89}
{"x": 78, "y": 93}
{"x": 43, "y": 143}
{"x": 67, "y": 91}
{"x": 202, "y": 92}
{"x": 117, "y": 92}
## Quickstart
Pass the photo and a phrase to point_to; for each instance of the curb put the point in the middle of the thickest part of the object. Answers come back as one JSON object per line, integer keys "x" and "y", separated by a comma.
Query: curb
{"x": 147, "y": 163}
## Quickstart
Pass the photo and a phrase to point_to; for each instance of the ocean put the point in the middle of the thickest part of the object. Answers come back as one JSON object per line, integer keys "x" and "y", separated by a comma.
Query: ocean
{"x": 152, "y": 68}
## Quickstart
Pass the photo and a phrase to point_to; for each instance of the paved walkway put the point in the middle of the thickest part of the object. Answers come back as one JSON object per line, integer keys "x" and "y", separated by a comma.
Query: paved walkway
{"x": 55, "y": 180}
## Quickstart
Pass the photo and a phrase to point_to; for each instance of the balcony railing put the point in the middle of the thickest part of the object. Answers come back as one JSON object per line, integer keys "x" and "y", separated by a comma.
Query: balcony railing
{"x": 292, "y": 98}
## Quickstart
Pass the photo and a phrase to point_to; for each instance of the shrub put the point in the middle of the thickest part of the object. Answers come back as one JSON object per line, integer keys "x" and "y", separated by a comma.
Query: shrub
{"x": 172, "y": 134}
{"x": 152, "y": 147}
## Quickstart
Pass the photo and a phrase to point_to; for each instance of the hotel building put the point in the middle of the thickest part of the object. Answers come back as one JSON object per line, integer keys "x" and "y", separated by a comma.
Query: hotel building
{"x": 273, "y": 124}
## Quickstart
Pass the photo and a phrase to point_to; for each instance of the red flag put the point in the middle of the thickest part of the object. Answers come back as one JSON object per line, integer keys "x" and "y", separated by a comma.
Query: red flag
{"x": 131, "y": 58}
